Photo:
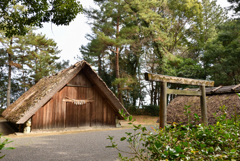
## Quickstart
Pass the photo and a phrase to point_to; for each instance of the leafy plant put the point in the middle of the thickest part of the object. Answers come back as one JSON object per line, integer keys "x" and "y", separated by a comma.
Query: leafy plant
{"x": 183, "y": 142}
{"x": 3, "y": 142}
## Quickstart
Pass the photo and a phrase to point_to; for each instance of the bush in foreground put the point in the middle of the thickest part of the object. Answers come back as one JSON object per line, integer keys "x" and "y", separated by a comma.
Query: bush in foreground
{"x": 184, "y": 142}
{"x": 3, "y": 142}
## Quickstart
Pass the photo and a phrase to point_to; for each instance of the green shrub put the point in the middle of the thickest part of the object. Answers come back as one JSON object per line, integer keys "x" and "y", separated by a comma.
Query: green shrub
{"x": 1, "y": 111}
{"x": 135, "y": 111}
{"x": 151, "y": 110}
{"x": 184, "y": 142}
{"x": 3, "y": 142}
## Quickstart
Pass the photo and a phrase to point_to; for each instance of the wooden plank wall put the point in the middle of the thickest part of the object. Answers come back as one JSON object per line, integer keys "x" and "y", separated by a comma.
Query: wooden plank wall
{"x": 58, "y": 114}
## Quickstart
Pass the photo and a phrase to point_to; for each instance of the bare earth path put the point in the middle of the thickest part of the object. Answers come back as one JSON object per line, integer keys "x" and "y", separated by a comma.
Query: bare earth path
{"x": 81, "y": 146}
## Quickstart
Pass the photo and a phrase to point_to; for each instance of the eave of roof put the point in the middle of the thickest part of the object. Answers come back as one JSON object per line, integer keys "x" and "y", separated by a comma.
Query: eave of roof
{"x": 220, "y": 89}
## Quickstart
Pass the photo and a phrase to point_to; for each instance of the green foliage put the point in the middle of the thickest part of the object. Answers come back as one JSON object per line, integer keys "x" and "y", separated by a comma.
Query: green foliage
{"x": 221, "y": 58}
{"x": 17, "y": 15}
{"x": 212, "y": 15}
{"x": 235, "y": 5}
{"x": 38, "y": 57}
{"x": 151, "y": 110}
{"x": 3, "y": 142}
{"x": 164, "y": 37}
{"x": 185, "y": 67}
{"x": 31, "y": 58}
{"x": 183, "y": 142}
{"x": 238, "y": 95}
{"x": 115, "y": 32}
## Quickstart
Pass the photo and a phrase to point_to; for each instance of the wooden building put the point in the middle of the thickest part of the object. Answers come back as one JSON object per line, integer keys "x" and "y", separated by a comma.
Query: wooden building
{"x": 74, "y": 97}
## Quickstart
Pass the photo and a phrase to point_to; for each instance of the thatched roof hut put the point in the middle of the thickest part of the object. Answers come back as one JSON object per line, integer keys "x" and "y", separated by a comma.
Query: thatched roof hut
{"x": 74, "y": 97}
{"x": 219, "y": 100}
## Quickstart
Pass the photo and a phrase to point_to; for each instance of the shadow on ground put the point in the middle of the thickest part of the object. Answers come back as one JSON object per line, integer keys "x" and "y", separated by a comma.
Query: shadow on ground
{"x": 5, "y": 128}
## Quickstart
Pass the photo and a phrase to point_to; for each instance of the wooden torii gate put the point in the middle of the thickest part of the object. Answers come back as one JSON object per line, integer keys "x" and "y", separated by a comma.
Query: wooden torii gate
{"x": 164, "y": 79}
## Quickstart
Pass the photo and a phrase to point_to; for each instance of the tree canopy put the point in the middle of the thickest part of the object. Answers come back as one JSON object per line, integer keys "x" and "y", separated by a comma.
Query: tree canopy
{"x": 15, "y": 20}
{"x": 222, "y": 55}
{"x": 235, "y": 5}
{"x": 163, "y": 36}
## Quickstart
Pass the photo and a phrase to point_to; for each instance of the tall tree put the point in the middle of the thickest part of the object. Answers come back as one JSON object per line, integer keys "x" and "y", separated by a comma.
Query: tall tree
{"x": 32, "y": 56}
{"x": 158, "y": 36}
{"x": 212, "y": 16}
{"x": 38, "y": 56}
{"x": 108, "y": 27}
{"x": 9, "y": 47}
{"x": 222, "y": 55}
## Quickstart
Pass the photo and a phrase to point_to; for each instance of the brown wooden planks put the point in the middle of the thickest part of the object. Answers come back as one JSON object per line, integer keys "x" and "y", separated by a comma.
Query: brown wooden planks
{"x": 59, "y": 114}
{"x": 88, "y": 108}
{"x": 44, "y": 116}
{"x": 40, "y": 119}
{"x": 71, "y": 115}
{"x": 104, "y": 113}
{"x": 82, "y": 115}
{"x": 98, "y": 105}
{"x": 50, "y": 114}
{"x": 93, "y": 109}
{"x": 59, "y": 105}
{"x": 80, "y": 80}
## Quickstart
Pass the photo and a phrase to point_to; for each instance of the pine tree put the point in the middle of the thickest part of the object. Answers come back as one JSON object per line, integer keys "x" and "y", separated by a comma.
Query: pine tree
{"x": 9, "y": 47}
{"x": 38, "y": 56}
{"x": 158, "y": 36}
{"x": 32, "y": 56}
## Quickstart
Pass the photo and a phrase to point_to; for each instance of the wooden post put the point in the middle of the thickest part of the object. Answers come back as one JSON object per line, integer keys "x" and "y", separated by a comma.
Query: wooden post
{"x": 203, "y": 105}
{"x": 163, "y": 105}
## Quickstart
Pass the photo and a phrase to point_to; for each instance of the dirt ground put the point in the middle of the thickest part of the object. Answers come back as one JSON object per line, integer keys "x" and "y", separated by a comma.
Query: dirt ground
{"x": 140, "y": 119}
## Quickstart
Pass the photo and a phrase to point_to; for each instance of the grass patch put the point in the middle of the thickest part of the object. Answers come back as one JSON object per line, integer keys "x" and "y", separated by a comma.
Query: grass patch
{"x": 141, "y": 119}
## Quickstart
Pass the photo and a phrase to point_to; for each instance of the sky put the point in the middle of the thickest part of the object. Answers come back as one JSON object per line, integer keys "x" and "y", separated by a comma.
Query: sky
{"x": 70, "y": 38}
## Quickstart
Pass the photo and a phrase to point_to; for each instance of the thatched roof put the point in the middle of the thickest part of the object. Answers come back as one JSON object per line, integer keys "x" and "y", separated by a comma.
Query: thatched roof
{"x": 175, "y": 109}
{"x": 220, "y": 89}
{"x": 27, "y": 104}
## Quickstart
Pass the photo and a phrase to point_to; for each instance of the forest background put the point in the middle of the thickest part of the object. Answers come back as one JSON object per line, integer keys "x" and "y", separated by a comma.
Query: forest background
{"x": 184, "y": 38}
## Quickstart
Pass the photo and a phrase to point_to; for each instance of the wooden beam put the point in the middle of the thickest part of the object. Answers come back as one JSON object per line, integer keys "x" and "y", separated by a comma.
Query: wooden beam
{"x": 179, "y": 80}
{"x": 163, "y": 106}
{"x": 75, "y": 100}
{"x": 184, "y": 92}
{"x": 215, "y": 89}
{"x": 236, "y": 87}
{"x": 204, "y": 105}
{"x": 73, "y": 85}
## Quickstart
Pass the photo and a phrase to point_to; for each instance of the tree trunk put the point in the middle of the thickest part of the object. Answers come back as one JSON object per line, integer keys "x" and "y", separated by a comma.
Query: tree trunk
{"x": 99, "y": 66}
{"x": 118, "y": 75}
{"x": 117, "y": 63}
{"x": 152, "y": 92}
{"x": 9, "y": 80}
